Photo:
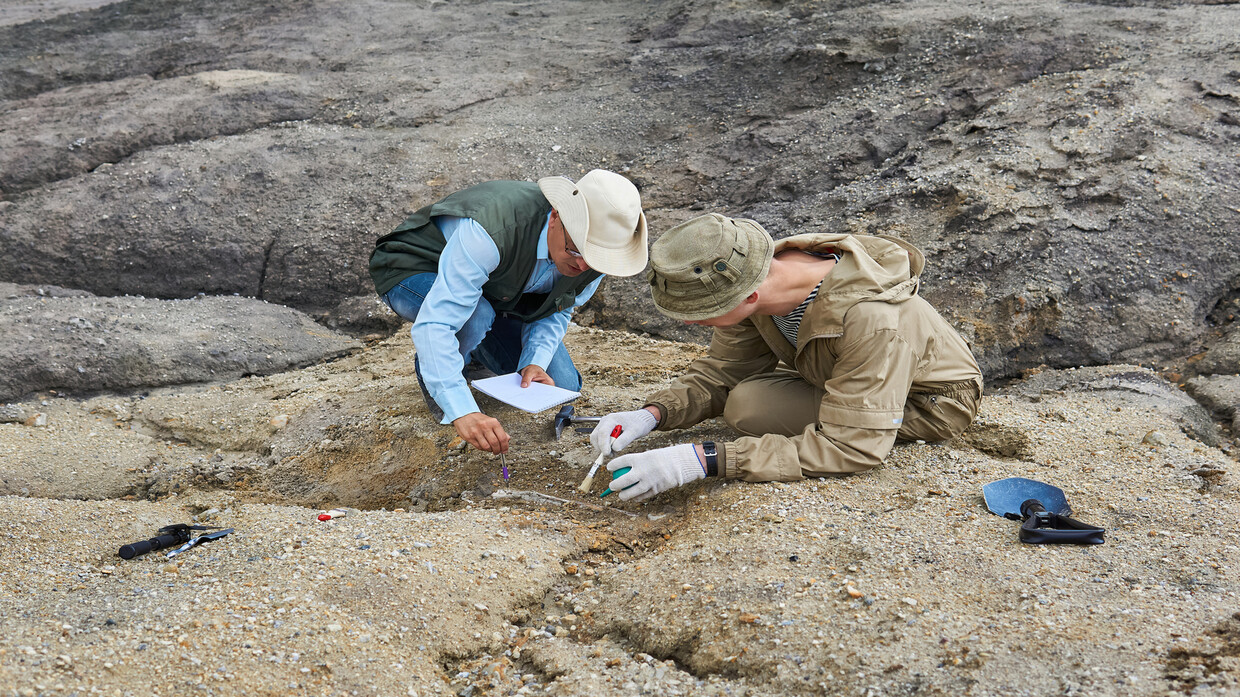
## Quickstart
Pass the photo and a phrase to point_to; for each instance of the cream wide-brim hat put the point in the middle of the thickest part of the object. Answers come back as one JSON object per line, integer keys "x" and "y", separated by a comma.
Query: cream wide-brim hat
{"x": 602, "y": 213}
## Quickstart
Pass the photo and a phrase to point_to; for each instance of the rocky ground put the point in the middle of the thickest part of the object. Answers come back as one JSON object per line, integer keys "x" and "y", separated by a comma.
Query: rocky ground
{"x": 450, "y": 580}
{"x": 1070, "y": 169}
{"x": 188, "y": 194}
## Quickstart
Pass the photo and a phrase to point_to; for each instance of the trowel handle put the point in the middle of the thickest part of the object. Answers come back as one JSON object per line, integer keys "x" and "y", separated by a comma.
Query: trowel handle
{"x": 1042, "y": 527}
{"x": 137, "y": 549}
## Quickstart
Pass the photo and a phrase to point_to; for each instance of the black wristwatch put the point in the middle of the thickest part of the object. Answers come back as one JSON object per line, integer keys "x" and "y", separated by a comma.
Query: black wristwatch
{"x": 712, "y": 458}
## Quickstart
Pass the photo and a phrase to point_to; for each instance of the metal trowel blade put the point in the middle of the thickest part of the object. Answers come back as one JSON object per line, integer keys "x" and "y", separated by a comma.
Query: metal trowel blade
{"x": 1006, "y": 495}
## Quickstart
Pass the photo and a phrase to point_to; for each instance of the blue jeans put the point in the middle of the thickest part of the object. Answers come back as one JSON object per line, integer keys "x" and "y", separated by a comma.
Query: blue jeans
{"x": 493, "y": 340}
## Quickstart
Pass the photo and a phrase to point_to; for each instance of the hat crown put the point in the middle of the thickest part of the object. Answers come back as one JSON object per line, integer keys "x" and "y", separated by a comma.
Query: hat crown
{"x": 615, "y": 209}
{"x": 706, "y": 266}
{"x": 602, "y": 213}
{"x": 697, "y": 247}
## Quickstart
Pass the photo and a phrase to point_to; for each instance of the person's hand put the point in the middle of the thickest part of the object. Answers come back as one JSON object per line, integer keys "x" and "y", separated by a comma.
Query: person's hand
{"x": 483, "y": 432}
{"x": 532, "y": 373}
{"x": 634, "y": 425}
{"x": 655, "y": 471}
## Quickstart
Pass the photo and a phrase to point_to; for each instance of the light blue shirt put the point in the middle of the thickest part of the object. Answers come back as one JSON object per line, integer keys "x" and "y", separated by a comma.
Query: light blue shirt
{"x": 459, "y": 317}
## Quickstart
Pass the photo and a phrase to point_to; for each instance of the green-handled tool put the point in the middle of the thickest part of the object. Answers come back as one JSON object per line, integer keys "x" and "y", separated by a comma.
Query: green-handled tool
{"x": 616, "y": 475}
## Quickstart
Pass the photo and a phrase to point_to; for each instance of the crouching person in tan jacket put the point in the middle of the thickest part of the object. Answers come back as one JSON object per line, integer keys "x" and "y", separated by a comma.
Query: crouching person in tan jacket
{"x": 823, "y": 356}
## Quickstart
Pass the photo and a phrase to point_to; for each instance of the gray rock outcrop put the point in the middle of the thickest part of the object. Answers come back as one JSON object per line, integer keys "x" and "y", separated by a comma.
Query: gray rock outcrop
{"x": 1068, "y": 169}
{"x": 85, "y": 344}
{"x": 1220, "y": 394}
{"x": 1130, "y": 385}
{"x": 1223, "y": 357}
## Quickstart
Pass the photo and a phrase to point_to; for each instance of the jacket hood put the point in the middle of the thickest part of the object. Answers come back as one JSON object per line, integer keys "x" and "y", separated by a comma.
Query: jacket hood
{"x": 871, "y": 268}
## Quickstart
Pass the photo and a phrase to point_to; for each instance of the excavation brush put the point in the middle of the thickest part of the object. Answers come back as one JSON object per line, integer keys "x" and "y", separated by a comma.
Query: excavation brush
{"x": 589, "y": 480}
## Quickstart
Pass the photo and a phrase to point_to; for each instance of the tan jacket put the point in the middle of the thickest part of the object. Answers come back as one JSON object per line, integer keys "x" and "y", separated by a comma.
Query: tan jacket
{"x": 867, "y": 339}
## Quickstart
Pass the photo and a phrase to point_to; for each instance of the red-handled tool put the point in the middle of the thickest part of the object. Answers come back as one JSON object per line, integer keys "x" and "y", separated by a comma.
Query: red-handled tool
{"x": 589, "y": 480}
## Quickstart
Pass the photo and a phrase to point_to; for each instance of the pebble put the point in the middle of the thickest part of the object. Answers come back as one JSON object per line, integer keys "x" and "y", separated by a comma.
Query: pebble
{"x": 279, "y": 421}
{"x": 1156, "y": 438}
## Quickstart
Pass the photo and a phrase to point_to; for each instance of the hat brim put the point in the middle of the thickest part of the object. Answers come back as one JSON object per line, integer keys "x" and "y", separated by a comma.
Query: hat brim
{"x": 684, "y": 314}
{"x": 694, "y": 311}
{"x": 575, "y": 215}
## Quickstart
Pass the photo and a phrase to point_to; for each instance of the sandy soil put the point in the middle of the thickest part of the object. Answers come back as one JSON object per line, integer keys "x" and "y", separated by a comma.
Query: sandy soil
{"x": 893, "y": 582}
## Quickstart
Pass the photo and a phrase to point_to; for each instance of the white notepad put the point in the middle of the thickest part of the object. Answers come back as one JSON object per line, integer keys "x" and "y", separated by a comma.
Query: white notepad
{"x": 535, "y": 398}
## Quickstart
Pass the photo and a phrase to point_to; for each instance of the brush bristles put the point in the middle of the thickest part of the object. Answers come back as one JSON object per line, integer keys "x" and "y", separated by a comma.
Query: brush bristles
{"x": 586, "y": 484}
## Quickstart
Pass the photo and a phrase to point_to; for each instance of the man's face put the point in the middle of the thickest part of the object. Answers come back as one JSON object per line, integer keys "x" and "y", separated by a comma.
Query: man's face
{"x": 733, "y": 317}
{"x": 567, "y": 259}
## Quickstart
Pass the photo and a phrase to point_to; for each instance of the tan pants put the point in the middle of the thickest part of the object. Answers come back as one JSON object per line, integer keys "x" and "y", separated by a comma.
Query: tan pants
{"x": 783, "y": 403}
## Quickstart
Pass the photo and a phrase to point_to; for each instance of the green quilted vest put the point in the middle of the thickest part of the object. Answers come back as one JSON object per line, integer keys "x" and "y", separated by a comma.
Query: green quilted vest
{"x": 513, "y": 214}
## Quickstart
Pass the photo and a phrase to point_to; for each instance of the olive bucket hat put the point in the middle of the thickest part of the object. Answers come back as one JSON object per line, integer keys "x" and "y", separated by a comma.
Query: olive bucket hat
{"x": 705, "y": 267}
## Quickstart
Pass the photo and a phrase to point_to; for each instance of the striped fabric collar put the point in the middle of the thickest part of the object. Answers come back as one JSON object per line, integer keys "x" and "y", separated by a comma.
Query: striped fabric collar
{"x": 790, "y": 324}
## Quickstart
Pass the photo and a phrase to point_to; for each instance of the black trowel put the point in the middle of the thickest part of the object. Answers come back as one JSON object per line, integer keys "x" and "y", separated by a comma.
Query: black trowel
{"x": 1043, "y": 510}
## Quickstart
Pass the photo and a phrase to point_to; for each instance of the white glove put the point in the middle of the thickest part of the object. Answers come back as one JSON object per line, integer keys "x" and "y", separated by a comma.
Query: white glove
{"x": 634, "y": 425}
{"x": 655, "y": 471}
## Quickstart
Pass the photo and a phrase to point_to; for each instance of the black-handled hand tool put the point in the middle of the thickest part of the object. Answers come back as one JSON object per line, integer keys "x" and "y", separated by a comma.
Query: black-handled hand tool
{"x": 194, "y": 542}
{"x": 169, "y": 535}
{"x": 1043, "y": 511}
{"x": 566, "y": 416}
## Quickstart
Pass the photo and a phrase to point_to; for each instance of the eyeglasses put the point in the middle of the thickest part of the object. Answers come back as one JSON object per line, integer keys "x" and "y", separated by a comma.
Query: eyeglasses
{"x": 568, "y": 244}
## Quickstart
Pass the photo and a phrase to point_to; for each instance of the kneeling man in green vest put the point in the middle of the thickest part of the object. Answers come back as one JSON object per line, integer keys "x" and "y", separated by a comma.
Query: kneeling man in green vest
{"x": 493, "y": 273}
{"x": 823, "y": 356}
